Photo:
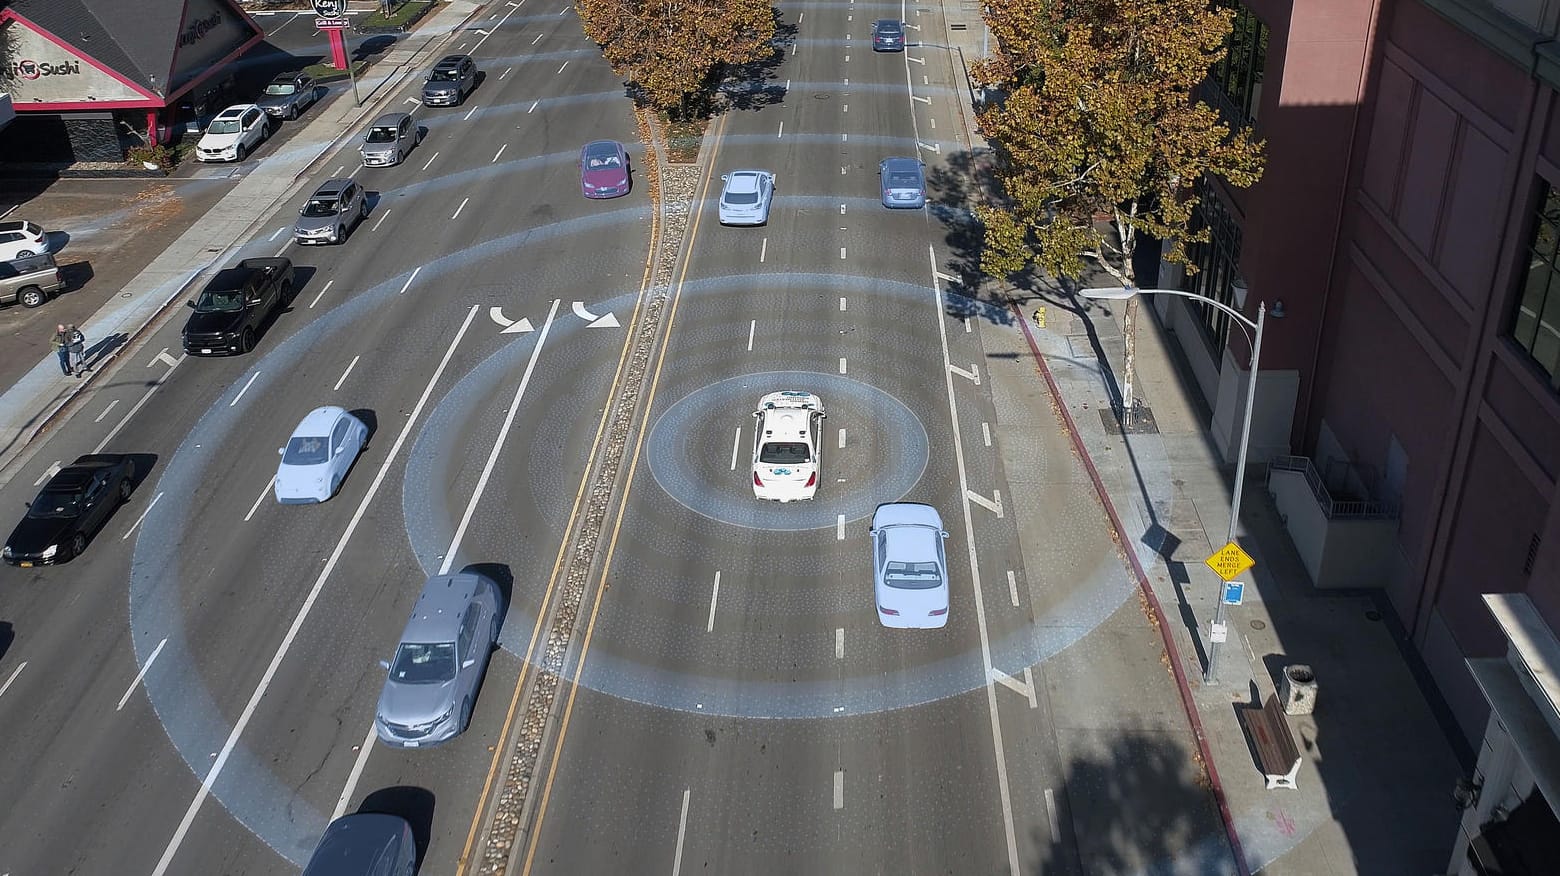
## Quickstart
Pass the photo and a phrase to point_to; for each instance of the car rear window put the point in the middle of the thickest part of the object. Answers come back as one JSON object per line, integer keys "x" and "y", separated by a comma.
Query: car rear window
{"x": 742, "y": 198}
{"x": 912, "y": 576}
{"x": 903, "y": 180}
{"x": 784, "y": 453}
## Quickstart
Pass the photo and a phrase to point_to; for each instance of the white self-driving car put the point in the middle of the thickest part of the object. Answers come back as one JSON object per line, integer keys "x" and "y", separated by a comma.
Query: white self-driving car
{"x": 745, "y": 198}
{"x": 787, "y": 445}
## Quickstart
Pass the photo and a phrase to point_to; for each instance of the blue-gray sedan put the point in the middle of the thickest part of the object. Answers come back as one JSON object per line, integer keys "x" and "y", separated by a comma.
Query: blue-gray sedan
{"x": 904, "y": 183}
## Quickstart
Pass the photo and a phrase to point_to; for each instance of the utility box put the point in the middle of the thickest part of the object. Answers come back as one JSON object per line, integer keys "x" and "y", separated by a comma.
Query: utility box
{"x": 1297, "y": 690}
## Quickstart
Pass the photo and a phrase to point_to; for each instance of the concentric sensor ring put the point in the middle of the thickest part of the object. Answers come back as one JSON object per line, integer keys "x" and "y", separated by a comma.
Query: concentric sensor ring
{"x": 708, "y": 487}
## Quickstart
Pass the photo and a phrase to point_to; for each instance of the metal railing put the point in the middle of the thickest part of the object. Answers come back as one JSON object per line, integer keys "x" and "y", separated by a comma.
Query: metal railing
{"x": 1333, "y": 509}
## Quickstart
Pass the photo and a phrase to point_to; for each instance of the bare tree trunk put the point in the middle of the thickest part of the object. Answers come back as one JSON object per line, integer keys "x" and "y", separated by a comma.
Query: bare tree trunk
{"x": 1127, "y": 227}
{"x": 1129, "y": 330}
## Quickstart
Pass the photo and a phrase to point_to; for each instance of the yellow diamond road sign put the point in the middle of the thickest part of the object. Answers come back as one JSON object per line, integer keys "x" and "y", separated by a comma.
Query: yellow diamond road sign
{"x": 1230, "y": 561}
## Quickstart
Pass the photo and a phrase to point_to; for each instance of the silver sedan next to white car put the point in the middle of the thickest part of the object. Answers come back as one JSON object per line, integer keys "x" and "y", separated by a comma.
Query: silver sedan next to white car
{"x": 745, "y": 198}
{"x": 909, "y": 567}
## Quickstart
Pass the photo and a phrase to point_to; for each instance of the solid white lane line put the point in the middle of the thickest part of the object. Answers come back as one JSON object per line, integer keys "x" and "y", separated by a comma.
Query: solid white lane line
{"x": 763, "y": 250}
{"x": 842, "y": 364}
{"x": 149, "y": 506}
{"x": 241, "y": 392}
{"x": 839, "y": 527}
{"x": 780, "y": 133}
{"x": 14, "y": 673}
{"x": 430, "y": 160}
{"x": 839, "y": 643}
{"x": 49, "y": 472}
{"x": 1012, "y": 589}
{"x": 842, "y": 438}
{"x": 980, "y": 604}
{"x": 714, "y": 596}
{"x": 499, "y": 152}
{"x": 682, "y": 829}
{"x": 308, "y": 604}
{"x": 381, "y": 220}
{"x": 463, "y": 202}
{"x": 357, "y": 773}
{"x": 752, "y": 328}
{"x": 985, "y": 433}
{"x": 409, "y": 280}
{"x": 140, "y": 675}
{"x": 326, "y": 289}
{"x": 345, "y": 373}
{"x": 842, "y": 304}
{"x": 498, "y": 443}
{"x": 260, "y": 498}
{"x": 839, "y": 789}
{"x": 144, "y": 398}
{"x": 736, "y": 446}
{"x": 560, "y": 69}
{"x": 468, "y": 115}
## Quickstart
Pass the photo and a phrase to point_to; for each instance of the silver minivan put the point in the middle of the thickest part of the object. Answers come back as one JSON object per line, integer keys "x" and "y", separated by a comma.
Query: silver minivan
{"x": 438, "y": 665}
{"x": 389, "y": 139}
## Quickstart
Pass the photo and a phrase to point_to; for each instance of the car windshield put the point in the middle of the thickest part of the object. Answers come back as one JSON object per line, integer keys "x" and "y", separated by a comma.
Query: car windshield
{"x": 223, "y": 126}
{"x": 320, "y": 207}
{"x": 741, "y": 198}
{"x": 912, "y": 576}
{"x": 423, "y": 663}
{"x": 220, "y": 301}
{"x": 903, "y": 180}
{"x": 450, "y": 75}
{"x": 281, "y": 88}
{"x": 381, "y": 135}
{"x": 55, "y": 503}
{"x": 306, "y": 450}
{"x": 784, "y": 453}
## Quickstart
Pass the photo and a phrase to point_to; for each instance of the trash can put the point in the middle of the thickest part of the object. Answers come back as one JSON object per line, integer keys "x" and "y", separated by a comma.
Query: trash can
{"x": 1297, "y": 690}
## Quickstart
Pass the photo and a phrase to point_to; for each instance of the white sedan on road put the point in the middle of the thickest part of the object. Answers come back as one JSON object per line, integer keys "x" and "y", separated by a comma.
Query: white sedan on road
{"x": 745, "y": 198}
{"x": 318, "y": 456}
{"x": 909, "y": 567}
{"x": 787, "y": 446}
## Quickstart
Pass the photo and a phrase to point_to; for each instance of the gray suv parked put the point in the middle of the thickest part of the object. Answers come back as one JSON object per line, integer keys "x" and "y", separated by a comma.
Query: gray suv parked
{"x": 439, "y": 663}
{"x": 288, "y": 95}
{"x": 450, "y": 81}
{"x": 389, "y": 139}
{"x": 336, "y": 207}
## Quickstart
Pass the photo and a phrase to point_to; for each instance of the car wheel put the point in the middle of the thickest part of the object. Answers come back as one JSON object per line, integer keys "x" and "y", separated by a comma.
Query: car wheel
{"x": 287, "y": 293}
{"x": 246, "y": 341}
{"x": 341, "y": 234}
{"x": 494, "y": 636}
{"x": 32, "y": 296}
{"x": 240, "y": 152}
{"x": 25, "y": 254}
{"x": 124, "y": 490}
{"x": 292, "y": 113}
{"x": 78, "y": 544}
{"x": 465, "y": 714}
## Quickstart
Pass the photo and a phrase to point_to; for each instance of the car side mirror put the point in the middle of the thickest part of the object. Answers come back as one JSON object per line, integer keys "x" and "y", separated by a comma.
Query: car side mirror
{"x": 337, "y": 451}
{"x": 281, "y": 451}
{"x": 944, "y": 533}
{"x": 872, "y": 533}
{"x": 190, "y": 304}
{"x": 385, "y": 665}
{"x": 724, "y": 177}
{"x": 469, "y": 662}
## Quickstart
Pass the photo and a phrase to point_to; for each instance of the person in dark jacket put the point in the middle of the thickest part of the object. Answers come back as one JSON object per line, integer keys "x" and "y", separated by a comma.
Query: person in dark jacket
{"x": 61, "y": 344}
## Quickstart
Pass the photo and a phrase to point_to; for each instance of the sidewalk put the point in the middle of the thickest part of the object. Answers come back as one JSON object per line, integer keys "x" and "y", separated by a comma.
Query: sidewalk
{"x": 33, "y": 402}
{"x": 1374, "y": 787}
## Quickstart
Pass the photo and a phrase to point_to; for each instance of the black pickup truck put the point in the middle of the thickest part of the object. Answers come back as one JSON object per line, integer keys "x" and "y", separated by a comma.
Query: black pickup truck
{"x": 235, "y": 306}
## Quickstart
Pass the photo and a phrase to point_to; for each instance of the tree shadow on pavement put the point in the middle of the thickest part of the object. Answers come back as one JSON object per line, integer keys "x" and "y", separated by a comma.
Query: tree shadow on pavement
{"x": 755, "y": 85}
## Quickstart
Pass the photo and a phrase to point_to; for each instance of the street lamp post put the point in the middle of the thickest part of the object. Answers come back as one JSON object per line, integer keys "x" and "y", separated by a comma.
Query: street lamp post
{"x": 1210, "y": 674}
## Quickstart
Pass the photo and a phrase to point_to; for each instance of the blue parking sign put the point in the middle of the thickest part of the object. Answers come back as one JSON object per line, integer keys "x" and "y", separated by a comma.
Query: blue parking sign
{"x": 1233, "y": 591}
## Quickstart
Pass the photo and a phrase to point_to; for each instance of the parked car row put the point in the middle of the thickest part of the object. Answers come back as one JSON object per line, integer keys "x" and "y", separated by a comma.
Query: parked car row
{"x": 237, "y": 131}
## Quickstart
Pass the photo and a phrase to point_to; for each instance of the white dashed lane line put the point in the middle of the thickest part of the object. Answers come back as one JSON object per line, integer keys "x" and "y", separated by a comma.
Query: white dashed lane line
{"x": 839, "y": 527}
{"x": 533, "y": 107}
{"x": 463, "y": 203}
{"x": 140, "y": 675}
{"x": 842, "y": 364}
{"x": 780, "y": 133}
{"x": 752, "y": 329}
{"x": 682, "y": 829}
{"x": 839, "y": 643}
{"x": 327, "y": 287}
{"x": 415, "y": 272}
{"x": 430, "y": 161}
{"x": 381, "y": 221}
{"x": 714, "y": 597}
{"x": 736, "y": 447}
{"x": 241, "y": 392}
{"x": 763, "y": 249}
{"x": 499, "y": 152}
{"x": 260, "y": 498}
{"x": 842, "y": 305}
{"x": 1012, "y": 589}
{"x": 137, "y": 523}
{"x": 350, "y": 366}
{"x": 14, "y": 673}
{"x": 839, "y": 789}
{"x": 106, "y": 410}
{"x": 985, "y": 433}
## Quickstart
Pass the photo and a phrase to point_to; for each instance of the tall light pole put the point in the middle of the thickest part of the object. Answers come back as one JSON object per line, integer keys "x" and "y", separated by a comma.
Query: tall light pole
{"x": 1210, "y": 674}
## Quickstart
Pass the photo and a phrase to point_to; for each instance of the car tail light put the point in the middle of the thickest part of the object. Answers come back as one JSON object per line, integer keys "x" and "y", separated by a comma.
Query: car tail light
{"x": 888, "y": 611}
{"x": 812, "y": 479}
{"x": 938, "y": 612}
{"x": 756, "y": 481}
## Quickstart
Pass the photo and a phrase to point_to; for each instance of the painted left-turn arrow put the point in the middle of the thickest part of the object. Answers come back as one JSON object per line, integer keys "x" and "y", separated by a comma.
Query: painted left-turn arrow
{"x": 518, "y": 326}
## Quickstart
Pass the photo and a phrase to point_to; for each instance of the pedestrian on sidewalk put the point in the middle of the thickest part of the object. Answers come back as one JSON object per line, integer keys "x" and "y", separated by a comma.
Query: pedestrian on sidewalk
{"x": 61, "y": 344}
{"x": 78, "y": 350}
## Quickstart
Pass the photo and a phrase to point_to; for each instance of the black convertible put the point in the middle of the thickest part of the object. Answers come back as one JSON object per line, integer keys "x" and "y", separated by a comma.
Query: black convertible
{"x": 72, "y": 506}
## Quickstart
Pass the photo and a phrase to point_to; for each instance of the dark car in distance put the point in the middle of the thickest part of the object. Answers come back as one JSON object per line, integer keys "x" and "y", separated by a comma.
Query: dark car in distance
{"x": 888, "y": 35}
{"x": 603, "y": 169}
{"x": 70, "y": 508}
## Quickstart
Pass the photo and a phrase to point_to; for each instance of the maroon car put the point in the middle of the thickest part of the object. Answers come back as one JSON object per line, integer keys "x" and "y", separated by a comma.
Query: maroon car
{"x": 603, "y": 169}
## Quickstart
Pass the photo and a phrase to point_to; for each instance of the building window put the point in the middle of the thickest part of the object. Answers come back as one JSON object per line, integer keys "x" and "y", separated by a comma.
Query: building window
{"x": 1236, "y": 82}
{"x": 1535, "y": 325}
{"x": 1218, "y": 264}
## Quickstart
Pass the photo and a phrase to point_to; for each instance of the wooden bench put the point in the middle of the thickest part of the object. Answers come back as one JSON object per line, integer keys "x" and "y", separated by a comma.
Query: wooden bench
{"x": 1277, "y": 753}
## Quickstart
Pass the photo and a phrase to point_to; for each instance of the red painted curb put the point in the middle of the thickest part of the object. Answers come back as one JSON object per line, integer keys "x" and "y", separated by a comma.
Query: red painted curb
{"x": 1144, "y": 587}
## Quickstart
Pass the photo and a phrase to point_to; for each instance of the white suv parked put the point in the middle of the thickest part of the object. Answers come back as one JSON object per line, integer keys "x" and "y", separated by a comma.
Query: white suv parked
{"x": 233, "y": 134}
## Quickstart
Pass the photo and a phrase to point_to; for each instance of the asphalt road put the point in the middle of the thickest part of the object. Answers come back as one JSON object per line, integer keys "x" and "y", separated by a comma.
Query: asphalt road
{"x": 194, "y": 694}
